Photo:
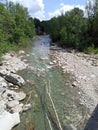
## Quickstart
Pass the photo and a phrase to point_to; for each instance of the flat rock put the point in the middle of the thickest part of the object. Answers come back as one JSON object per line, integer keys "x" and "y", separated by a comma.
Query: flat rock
{"x": 11, "y": 95}
{"x": 20, "y": 96}
{"x": 8, "y": 121}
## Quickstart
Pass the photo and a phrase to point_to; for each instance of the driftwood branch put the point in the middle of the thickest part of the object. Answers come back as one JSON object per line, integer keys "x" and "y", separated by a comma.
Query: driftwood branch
{"x": 49, "y": 95}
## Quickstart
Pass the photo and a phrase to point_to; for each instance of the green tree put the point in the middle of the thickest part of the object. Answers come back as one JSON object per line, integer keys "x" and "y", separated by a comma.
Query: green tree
{"x": 16, "y": 26}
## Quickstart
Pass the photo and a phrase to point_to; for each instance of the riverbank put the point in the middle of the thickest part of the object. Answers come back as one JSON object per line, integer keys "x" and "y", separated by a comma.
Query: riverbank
{"x": 84, "y": 69}
{"x": 11, "y": 105}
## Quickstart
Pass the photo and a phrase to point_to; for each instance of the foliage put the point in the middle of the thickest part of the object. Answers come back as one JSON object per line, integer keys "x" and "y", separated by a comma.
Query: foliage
{"x": 91, "y": 50}
{"x": 74, "y": 30}
{"x": 15, "y": 25}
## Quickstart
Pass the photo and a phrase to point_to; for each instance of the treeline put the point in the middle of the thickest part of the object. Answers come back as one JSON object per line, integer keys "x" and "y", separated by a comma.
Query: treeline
{"x": 75, "y": 30}
{"x": 16, "y": 26}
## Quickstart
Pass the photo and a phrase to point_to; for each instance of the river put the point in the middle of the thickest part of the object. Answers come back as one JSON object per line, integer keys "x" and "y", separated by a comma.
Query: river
{"x": 46, "y": 82}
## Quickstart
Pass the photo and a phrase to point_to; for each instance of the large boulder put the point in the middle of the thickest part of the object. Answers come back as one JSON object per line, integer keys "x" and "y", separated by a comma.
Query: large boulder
{"x": 14, "y": 79}
{"x": 8, "y": 121}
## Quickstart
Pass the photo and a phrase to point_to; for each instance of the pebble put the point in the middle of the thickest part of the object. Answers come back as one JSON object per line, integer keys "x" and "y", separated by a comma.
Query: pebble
{"x": 80, "y": 66}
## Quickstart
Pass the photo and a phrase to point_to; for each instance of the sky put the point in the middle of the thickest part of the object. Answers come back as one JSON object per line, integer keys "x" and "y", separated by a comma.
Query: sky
{"x": 46, "y": 9}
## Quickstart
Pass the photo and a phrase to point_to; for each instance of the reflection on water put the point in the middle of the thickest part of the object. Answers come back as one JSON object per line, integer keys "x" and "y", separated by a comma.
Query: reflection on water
{"x": 43, "y": 77}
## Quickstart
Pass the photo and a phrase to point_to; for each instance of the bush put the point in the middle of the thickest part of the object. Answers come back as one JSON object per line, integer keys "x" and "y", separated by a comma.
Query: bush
{"x": 91, "y": 50}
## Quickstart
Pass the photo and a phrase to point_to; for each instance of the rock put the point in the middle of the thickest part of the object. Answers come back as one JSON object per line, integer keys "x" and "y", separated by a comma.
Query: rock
{"x": 2, "y": 106}
{"x": 8, "y": 121}
{"x": 73, "y": 127}
{"x": 11, "y": 95}
{"x": 21, "y": 52}
{"x": 12, "y": 78}
{"x": 49, "y": 67}
{"x": 14, "y": 63}
{"x": 15, "y": 79}
{"x": 14, "y": 87}
{"x": 67, "y": 117}
{"x": 93, "y": 76}
{"x": 12, "y": 103}
{"x": 8, "y": 95}
{"x": 4, "y": 72}
{"x": 63, "y": 94}
{"x": 55, "y": 61}
{"x": 44, "y": 58}
{"x": 74, "y": 84}
{"x": 3, "y": 82}
{"x": 25, "y": 60}
{"x": 51, "y": 63}
{"x": 27, "y": 107}
{"x": 30, "y": 81}
{"x": 2, "y": 90}
{"x": 17, "y": 108}
{"x": 1, "y": 63}
{"x": 20, "y": 96}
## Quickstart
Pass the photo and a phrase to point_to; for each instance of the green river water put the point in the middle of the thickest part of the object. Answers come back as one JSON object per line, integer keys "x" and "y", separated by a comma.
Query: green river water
{"x": 41, "y": 78}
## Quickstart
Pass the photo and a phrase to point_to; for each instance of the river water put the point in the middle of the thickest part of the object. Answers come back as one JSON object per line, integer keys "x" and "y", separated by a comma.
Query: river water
{"x": 44, "y": 80}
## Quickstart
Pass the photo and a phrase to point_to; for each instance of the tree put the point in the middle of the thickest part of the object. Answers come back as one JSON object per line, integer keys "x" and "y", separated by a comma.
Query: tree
{"x": 15, "y": 23}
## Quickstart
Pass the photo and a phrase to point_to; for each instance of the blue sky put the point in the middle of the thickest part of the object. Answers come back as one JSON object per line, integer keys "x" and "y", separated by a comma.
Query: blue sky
{"x": 46, "y": 9}
{"x": 54, "y": 4}
{"x": 50, "y": 6}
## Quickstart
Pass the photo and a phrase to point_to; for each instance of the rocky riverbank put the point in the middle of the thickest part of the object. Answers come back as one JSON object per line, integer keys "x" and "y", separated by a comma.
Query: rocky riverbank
{"x": 10, "y": 100}
{"x": 84, "y": 68}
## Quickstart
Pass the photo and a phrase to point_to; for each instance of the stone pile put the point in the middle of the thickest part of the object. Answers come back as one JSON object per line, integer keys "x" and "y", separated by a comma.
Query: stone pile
{"x": 84, "y": 72}
{"x": 10, "y": 101}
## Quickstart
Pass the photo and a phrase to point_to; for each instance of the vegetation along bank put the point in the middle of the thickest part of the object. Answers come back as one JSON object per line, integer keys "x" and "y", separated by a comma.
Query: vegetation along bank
{"x": 74, "y": 29}
{"x": 16, "y": 26}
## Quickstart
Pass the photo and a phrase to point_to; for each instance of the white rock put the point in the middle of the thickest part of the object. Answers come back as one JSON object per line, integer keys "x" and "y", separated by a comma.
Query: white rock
{"x": 20, "y": 96}
{"x": 2, "y": 106}
{"x": 8, "y": 121}
{"x": 12, "y": 103}
{"x": 3, "y": 82}
{"x": 4, "y": 72}
{"x": 51, "y": 63}
{"x": 73, "y": 127}
{"x": 21, "y": 52}
{"x": 27, "y": 107}
{"x": 9, "y": 94}
{"x": 93, "y": 76}
{"x": 74, "y": 84}
{"x": 17, "y": 108}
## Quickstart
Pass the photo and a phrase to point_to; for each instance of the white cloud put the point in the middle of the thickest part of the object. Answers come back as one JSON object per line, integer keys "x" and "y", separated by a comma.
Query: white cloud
{"x": 64, "y": 8}
{"x": 35, "y": 7}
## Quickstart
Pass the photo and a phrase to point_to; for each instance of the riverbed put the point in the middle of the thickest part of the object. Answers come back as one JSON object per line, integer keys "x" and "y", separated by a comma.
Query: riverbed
{"x": 44, "y": 78}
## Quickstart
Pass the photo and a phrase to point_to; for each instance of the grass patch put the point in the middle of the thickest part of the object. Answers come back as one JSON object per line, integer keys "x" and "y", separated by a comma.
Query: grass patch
{"x": 91, "y": 50}
{"x": 8, "y": 47}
